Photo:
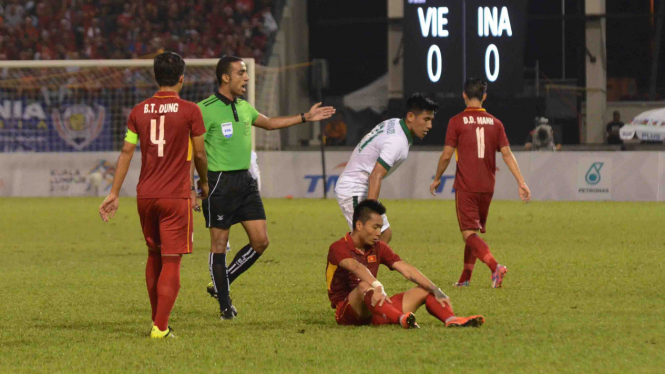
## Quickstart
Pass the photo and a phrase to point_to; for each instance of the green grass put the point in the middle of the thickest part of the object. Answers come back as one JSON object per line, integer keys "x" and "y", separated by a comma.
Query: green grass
{"x": 583, "y": 293}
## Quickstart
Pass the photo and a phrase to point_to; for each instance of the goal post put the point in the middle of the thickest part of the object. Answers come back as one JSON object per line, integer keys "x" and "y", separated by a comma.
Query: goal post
{"x": 82, "y": 105}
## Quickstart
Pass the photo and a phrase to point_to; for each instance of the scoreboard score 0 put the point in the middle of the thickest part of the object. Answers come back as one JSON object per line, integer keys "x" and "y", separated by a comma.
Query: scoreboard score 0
{"x": 447, "y": 41}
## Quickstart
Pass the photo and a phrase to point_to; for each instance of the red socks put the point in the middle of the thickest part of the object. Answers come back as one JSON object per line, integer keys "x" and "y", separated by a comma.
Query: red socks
{"x": 469, "y": 263}
{"x": 386, "y": 311}
{"x": 435, "y": 309}
{"x": 152, "y": 270}
{"x": 167, "y": 290}
{"x": 481, "y": 250}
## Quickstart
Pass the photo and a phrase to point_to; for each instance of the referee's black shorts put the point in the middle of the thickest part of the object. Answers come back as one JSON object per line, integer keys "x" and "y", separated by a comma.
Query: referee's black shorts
{"x": 233, "y": 197}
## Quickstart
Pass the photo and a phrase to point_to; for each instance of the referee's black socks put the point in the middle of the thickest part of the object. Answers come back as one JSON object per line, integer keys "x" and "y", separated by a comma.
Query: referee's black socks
{"x": 244, "y": 259}
{"x": 218, "y": 273}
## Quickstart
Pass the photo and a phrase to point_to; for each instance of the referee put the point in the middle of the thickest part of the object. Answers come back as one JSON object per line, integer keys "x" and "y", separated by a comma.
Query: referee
{"x": 234, "y": 194}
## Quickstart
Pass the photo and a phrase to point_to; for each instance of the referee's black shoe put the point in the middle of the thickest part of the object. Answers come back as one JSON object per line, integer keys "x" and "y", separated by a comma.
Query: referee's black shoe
{"x": 227, "y": 314}
{"x": 212, "y": 293}
{"x": 232, "y": 308}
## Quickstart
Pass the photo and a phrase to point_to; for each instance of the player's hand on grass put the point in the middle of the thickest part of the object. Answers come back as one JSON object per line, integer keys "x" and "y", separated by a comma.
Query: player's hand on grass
{"x": 525, "y": 193}
{"x": 317, "y": 113}
{"x": 435, "y": 184}
{"x": 108, "y": 208}
{"x": 380, "y": 296}
{"x": 203, "y": 186}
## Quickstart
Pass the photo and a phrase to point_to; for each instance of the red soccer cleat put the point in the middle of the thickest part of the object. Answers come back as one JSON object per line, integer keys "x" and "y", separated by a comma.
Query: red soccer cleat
{"x": 408, "y": 321}
{"x": 473, "y": 321}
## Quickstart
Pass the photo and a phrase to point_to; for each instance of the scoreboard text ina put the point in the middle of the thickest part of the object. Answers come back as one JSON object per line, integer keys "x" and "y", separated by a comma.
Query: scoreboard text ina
{"x": 447, "y": 41}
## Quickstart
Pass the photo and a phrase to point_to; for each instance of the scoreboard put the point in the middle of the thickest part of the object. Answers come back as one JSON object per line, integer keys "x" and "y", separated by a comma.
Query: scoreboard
{"x": 447, "y": 41}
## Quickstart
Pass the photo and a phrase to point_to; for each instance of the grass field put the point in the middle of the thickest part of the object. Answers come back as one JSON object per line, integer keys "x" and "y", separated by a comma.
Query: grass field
{"x": 582, "y": 295}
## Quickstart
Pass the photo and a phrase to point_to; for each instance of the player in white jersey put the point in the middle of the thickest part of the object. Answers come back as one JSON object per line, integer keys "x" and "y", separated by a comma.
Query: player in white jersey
{"x": 379, "y": 153}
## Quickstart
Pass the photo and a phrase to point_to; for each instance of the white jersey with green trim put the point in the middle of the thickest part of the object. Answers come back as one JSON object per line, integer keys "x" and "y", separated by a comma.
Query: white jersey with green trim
{"x": 388, "y": 144}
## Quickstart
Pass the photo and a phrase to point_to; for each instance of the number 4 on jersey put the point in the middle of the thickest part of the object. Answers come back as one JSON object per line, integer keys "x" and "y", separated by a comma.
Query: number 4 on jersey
{"x": 480, "y": 139}
{"x": 153, "y": 135}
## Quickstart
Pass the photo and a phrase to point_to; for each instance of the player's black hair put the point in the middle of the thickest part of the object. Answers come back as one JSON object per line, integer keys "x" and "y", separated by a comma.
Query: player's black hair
{"x": 168, "y": 67}
{"x": 418, "y": 103}
{"x": 364, "y": 210}
{"x": 224, "y": 65}
{"x": 475, "y": 88}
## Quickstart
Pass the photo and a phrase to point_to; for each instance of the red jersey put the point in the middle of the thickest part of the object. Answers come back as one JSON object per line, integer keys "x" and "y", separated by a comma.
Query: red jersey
{"x": 477, "y": 135}
{"x": 341, "y": 281}
{"x": 164, "y": 124}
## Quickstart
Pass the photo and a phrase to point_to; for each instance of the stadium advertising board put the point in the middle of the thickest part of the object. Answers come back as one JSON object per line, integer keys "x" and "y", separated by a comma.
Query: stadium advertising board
{"x": 446, "y": 41}
{"x": 594, "y": 179}
{"x": 36, "y": 126}
{"x": 623, "y": 176}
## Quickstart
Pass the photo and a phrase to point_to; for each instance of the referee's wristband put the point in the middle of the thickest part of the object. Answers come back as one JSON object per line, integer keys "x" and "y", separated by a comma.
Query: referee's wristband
{"x": 302, "y": 117}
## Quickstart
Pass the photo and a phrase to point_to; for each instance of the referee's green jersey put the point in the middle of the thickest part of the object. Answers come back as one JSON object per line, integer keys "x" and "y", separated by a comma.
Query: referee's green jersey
{"x": 228, "y": 138}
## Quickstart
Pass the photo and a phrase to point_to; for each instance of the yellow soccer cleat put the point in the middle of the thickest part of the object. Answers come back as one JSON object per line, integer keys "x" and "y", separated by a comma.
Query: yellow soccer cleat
{"x": 156, "y": 333}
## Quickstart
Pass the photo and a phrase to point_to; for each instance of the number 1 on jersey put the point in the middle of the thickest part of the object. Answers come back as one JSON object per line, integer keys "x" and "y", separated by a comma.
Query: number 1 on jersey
{"x": 153, "y": 135}
{"x": 480, "y": 139}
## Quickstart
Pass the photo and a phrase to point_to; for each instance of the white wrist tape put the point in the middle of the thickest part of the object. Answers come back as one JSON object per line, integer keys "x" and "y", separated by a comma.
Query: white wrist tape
{"x": 376, "y": 284}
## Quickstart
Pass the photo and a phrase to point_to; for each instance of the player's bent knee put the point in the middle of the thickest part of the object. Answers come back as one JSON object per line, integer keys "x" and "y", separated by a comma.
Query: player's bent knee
{"x": 421, "y": 293}
{"x": 261, "y": 245}
{"x": 219, "y": 246}
{"x": 467, "y": 233}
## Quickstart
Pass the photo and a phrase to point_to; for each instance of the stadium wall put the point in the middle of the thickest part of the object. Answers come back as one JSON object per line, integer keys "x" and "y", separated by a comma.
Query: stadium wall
{"x": 565, "y": 176}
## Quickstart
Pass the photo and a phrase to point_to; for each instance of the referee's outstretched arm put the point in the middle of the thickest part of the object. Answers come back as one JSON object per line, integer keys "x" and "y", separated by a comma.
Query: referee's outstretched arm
{"x": 316, "y": 113}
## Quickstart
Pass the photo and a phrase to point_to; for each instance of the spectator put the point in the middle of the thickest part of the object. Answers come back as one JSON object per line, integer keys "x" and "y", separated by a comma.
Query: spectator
{"x": 542, "y": 137}
{"x": 612, "y": 130}
{"x": 14, "y": 15}
{"x": 104, "y": 29}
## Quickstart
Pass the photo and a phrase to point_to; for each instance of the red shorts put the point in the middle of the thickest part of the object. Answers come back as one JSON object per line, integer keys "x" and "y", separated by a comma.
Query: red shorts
{"x": 167, "y": 225}
{"x": 345, "y": 315}
{"x": 472, "y": 209}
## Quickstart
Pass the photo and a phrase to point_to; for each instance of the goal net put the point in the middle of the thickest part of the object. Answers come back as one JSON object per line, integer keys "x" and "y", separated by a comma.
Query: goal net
{"x": 79, "y": 106}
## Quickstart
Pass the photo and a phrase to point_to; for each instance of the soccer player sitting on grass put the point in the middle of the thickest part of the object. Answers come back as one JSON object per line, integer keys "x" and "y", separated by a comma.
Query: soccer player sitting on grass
{"x": 360, "y": 299}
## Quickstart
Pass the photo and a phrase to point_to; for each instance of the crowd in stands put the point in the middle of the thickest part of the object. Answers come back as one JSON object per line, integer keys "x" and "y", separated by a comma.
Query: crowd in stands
{"x": 120, "y": 29}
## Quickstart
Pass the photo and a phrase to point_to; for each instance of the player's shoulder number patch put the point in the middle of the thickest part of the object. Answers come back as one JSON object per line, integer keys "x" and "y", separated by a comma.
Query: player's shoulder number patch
{"x": 227, "y": 130}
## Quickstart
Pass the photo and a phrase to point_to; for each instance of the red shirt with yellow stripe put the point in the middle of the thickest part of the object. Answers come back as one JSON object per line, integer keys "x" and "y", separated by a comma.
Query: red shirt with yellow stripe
{"x": 341, "y": 281}
{"x": 164, "y": 124}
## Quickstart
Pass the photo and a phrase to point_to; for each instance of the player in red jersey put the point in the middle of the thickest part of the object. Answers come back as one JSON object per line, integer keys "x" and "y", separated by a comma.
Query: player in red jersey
{"x": 168, "y": 128}
{"x": 477, "y": 136}
{"x": 359, "y": 299}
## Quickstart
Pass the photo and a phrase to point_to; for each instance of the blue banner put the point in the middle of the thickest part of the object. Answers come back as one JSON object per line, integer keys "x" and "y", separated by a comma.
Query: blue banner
{"x": 33, "y": 126}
